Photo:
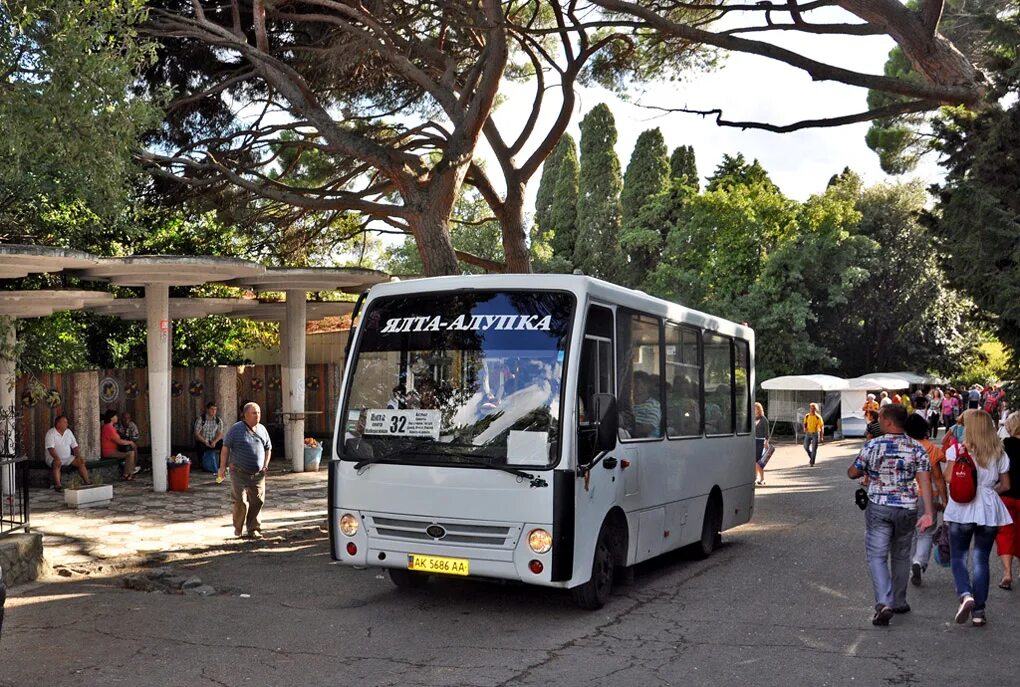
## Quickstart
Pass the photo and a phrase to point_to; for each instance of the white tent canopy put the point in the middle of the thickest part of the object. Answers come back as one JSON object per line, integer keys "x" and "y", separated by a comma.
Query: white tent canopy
{"x": 805, "y": 383}
{"x": 878, "y": 382}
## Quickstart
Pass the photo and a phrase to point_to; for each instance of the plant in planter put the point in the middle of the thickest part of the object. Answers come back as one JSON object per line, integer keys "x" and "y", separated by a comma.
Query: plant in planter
{"x": 81, "y": 495}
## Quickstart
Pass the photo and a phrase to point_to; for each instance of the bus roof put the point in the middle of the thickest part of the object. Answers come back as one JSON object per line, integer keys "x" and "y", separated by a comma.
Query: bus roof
{"x": 581, "y": 286}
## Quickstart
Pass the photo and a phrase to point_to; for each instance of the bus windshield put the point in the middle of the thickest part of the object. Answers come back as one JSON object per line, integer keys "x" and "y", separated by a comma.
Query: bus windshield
{"x": 459, "y": 378}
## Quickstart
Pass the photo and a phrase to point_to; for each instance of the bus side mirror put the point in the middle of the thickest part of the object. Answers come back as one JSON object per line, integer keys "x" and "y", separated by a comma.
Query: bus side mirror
{"x": 607, "y": 421}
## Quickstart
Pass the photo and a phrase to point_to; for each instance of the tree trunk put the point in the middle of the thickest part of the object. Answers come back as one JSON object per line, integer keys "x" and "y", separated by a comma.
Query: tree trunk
{"x": 515, "y": 233}
{"x": 431, "y": 230}
{"x": 431, "y": 227}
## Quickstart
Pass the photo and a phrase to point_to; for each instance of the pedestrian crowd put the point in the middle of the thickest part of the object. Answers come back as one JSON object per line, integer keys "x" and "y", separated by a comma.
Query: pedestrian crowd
{"x": 958, "y": 497}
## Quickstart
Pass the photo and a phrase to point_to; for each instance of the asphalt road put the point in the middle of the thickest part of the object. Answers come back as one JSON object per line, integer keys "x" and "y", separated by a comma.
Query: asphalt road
{"x": 786, "y": 601}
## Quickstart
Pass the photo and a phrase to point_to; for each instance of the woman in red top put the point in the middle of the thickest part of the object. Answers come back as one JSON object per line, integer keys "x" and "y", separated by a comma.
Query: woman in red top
{"x": 112, "y": 446}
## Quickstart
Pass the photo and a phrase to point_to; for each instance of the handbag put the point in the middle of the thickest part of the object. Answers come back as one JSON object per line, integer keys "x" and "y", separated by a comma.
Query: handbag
{"x": 766, "y": 455}
{"x": 940, "y": 543}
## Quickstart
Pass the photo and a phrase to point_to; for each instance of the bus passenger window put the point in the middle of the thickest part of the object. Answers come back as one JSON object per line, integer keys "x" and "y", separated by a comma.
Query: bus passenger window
{"x": 718, "y": 384}
{"x": 640, "y": 380}
{"x": 683, "y": 370}
{"x": 741, "y": 375}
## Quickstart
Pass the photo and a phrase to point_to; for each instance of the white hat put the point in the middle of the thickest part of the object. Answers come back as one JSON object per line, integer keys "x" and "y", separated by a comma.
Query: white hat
{"x": 871, "y": 397}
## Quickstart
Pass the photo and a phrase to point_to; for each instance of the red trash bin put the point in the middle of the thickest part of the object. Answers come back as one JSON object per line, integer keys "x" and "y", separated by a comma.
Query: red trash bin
{"x": 178, "y": 476}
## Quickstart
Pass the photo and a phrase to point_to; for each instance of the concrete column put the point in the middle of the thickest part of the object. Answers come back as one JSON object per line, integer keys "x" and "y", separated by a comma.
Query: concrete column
{"x": 224, "y": 390}
{"x": 84, "y": 413}
{"x": 8, "y": 382}
{"x": 157, "y": 314}
{"x": 294, "y": 418}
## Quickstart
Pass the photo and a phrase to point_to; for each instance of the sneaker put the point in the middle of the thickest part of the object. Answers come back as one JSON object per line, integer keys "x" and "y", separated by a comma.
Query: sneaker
{"x": 138, "y": 468}
{"x": 966, "y": 606}
{"x": 915, "y": 574}
{"x": 255, "y": 534}
{"x": 237, "y": 533}
{"x": 882, "y": 616}
{"x": 900, "y": 610}
{"x": 978, "y": 619}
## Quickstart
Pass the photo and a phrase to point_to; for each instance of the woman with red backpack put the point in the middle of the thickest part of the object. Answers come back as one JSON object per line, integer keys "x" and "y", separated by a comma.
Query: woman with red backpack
{"x": 975, "y": 512}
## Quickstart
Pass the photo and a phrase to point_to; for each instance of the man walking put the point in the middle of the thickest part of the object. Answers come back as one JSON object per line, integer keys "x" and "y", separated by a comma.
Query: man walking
{"x": 814, "y": 430}
{"x": 897, "y": 467}
{"x": 247, "y": 449}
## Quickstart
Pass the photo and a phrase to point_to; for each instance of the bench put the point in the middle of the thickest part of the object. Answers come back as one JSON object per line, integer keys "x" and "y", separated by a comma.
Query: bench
{"x": 40, "y": 475}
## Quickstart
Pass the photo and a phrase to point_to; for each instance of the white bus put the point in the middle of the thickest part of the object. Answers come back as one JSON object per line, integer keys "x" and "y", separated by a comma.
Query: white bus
{"x": 551, "y": 429}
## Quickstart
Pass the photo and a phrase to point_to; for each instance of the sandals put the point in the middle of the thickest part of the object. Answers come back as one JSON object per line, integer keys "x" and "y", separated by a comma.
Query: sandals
{"x": 1007, "y": 583}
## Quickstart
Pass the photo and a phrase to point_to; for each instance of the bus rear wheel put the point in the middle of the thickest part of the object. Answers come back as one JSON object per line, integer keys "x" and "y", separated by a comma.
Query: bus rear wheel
{"x": 407, "y": 579}
{"x": 593, "y": 594}
{"x": 711, "y": 529}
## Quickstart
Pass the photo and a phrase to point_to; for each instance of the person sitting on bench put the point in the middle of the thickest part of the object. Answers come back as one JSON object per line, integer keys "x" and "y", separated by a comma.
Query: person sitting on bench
{"x": 62, "y": 450}
{"x": 113, "y": 446}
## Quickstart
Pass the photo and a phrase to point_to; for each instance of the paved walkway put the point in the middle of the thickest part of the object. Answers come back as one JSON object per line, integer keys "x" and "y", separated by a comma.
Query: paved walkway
{"x": 140, "y": 523}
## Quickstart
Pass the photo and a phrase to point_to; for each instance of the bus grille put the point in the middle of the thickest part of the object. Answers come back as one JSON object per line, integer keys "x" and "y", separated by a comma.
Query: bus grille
{"x": 497, "y": 535}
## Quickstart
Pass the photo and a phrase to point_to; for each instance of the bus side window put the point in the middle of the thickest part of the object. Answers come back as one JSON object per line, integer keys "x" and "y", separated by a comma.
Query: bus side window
{"x": 683, "y": 370}
{"x": 640, "y": 376}
{"x": 718, "y": 384}
{"x": 741, "y": 389}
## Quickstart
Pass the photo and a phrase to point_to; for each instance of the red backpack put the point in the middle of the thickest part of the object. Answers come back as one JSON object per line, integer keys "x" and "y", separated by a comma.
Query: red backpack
{"x": 963, "y": 478}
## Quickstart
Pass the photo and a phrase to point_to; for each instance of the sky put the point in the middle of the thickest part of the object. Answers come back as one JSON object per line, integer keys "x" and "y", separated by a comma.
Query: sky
{"x": 748, "y": 87}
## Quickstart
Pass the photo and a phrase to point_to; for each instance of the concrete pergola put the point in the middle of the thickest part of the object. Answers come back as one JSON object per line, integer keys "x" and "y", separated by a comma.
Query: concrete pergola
{"x": 296, "y": 283}
{"x": 157, "y": 273}
{"x": 17, "y": 305}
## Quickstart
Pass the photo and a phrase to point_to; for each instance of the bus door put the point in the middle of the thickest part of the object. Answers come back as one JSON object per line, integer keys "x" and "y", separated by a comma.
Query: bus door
{"x": 600, "y": 486}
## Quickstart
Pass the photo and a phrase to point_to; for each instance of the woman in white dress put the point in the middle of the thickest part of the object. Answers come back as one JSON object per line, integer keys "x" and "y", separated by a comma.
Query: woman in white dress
{"x": 977, "y": 520}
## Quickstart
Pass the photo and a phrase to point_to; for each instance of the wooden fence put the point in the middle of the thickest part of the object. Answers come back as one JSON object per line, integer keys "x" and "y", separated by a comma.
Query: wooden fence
{"x": 190, "y": 390}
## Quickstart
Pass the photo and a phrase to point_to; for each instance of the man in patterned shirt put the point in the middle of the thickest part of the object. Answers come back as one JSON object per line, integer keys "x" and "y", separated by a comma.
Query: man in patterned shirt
{"x": 896, "y": 468}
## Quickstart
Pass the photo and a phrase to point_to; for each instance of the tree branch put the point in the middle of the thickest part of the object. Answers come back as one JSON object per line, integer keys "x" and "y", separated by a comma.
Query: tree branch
{"x": 825, "y": 122}
{"x": 965, "y": 93}
{"x": 484, "y": 263}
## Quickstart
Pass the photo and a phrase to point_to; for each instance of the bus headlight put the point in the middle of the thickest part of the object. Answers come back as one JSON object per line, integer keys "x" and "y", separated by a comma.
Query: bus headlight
{"x": 540, "y": 541}
{"x": 349, "y": 524}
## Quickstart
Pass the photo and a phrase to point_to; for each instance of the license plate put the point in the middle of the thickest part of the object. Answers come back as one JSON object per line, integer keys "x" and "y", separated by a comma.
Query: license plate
{"x": 437, "y": 564}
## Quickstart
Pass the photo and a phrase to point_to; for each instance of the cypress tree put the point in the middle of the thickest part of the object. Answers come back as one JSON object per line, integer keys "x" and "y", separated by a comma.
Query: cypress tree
{"x": 547, "y": 187}
{"x": 596, "y": 250}
{"x": 563, "y": 213}
{"x": 683, "y": 166}
{"x": 646, "y": 174}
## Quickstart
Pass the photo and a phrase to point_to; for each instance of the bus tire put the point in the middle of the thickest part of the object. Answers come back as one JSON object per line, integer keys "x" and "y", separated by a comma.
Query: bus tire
{"x": 407, "y": 579}
{"x": 593, "y": 594}
{"x": 711, "y": 528}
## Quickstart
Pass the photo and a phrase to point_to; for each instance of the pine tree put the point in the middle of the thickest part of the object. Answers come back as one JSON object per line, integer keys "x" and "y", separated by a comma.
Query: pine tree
{"x": 597, "y": 250}
{"x": 683, "y": 166}
{"x": 736, "y": 171}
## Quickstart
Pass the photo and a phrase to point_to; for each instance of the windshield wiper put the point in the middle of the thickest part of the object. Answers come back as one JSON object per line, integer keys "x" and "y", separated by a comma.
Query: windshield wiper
{"x": 533, "y": 480}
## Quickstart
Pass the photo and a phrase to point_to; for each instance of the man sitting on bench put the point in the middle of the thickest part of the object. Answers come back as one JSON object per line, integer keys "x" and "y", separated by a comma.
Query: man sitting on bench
{"x": 62, "y": 450}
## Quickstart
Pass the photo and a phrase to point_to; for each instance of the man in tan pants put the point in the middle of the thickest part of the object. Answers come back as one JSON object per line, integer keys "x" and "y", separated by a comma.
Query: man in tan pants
{"x": 247, "y": 449}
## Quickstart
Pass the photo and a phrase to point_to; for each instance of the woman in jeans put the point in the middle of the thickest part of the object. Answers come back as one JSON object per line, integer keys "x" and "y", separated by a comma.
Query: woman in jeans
{"x": 979, "y": 519}
{"x": 1007, "y": 544}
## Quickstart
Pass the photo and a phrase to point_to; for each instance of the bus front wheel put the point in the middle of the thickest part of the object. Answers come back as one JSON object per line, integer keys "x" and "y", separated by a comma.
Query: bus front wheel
{"x": 406, "y": 579}
{"x": 593, "y": 594}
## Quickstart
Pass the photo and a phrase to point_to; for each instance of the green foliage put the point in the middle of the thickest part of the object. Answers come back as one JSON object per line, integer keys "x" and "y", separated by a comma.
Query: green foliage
{"x": 683, "y": 166}
{"x": 990, "y": 362}
{"x": 977, "y": 217}
{"x": 596, "y": 250}
{"x": 68, "y": 121}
